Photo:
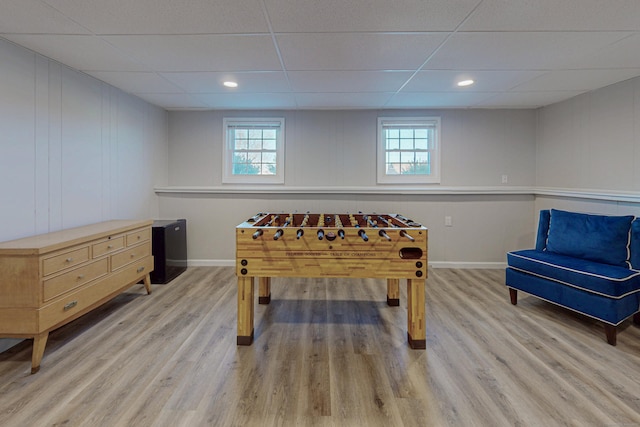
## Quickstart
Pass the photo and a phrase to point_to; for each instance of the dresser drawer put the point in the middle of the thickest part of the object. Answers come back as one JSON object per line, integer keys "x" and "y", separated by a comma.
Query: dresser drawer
{"x": 138, "y": 236}
{"x": 74, "y": 278}
{"x": 59, "y": 262}
{"x": 108, "y": 246}
{"x": 130, "y": 255}
{"x": 79, "y": 301}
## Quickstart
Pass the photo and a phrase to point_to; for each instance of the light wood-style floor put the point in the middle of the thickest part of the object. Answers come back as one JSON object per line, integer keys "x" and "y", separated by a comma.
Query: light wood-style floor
{"x": 327, "y": 352}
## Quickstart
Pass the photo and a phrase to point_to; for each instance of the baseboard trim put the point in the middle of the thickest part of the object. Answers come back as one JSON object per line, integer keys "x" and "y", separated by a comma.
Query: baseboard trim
{"x": 211, "y": 263}
{"x": 468, "y": 265}
{"x": 432, "y": 264}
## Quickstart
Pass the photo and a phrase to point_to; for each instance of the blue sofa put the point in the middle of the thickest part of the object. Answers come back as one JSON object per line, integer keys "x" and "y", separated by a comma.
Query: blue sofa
{"x": 586, "y": 263}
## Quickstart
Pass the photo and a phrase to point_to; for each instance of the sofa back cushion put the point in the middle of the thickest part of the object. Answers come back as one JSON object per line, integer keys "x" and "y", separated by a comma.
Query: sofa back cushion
{"x": 600, "y": 238}
{"x": 543, "y": 230}
{"x": 635, "y": 244}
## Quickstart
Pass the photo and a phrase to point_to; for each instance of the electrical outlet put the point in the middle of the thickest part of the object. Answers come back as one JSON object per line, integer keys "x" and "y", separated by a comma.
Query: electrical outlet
{"x": 448, "y": 222}
{"x": 505, "y": 179}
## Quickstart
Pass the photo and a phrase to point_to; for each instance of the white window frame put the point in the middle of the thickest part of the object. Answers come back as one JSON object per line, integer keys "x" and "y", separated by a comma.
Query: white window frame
{"x": 434, "y": 149}
{"x": 228, "y": 177}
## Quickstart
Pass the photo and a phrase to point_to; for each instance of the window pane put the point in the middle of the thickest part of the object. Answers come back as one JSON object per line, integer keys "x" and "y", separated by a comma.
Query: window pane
{"x": 269, "y": 157}
{"x": 255, "y": 144}
{"x": 240, "y": 169}
{"x": 393, "y": 157}
{"x": 421, "y": 133}
{"x": 406, "y": 133}
{"x": 255, "y": 158}
{"x": 393, "y": 144}
{"x": 392, "y": 169}
{"x": 269, "y": 144}
{"x": 269, "y": 134}
{"x": 407, "y": 157}
{"x": 255, "y": 133}
{"x": 240, "y": 157}
{"x": 240, "y": 144}
{"x": 393, "y": 133}
{"x": 268, "y": 169}
{"x": 241, "y": 134}
{"x": 422, "y": 157}
{"x": 406, "y": 144}
{"x": 422, "y": 144}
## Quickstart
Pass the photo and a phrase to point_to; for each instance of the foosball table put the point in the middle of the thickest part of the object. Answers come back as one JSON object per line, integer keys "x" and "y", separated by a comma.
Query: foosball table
{"x": 390, "y": 247}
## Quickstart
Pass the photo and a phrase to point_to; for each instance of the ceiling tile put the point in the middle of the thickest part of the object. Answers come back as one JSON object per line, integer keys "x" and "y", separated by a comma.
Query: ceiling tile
{"x": 437, "y": 99}
{"x": 335, "y": 53}
{"x": 357, "y": 51}
{"x": 622, "y": 54}
{"x": 206, "y": 82}
{"x": 35, "y": 17}
{"x": 248, "y": 100}
{"x": 367, "y": 15}
{"x": 173, "y": 100}
{"x": 165, "y": 16}
{"x": 578, "y": 80}
{"x": 513, "y": 51}
{"x": 136, "y": 82}
{"x": 341, "y": 100}
{"x": 485, "y": 81}
{"x": 526, "y": 99}
{"x": 555, "y": 15}
{"x": 201, "y": 52}
{"x": 348, "y": 81}
{"x": 84, "y": 53}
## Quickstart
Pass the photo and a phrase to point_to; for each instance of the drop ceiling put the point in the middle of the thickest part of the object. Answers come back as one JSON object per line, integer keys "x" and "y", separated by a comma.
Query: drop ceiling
{"x": 337, "y": 54}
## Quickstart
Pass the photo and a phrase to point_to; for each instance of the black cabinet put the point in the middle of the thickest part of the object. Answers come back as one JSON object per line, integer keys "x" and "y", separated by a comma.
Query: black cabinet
{"x": 169, "y": 248}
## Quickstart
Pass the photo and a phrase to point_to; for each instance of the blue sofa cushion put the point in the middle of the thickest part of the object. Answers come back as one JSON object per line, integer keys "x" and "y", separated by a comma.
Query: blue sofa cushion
{"x": 604, "y": 279}
{"x": 635, "y": 244}
{"x": 543, "y": 230}
{"x": 600, "y": 238}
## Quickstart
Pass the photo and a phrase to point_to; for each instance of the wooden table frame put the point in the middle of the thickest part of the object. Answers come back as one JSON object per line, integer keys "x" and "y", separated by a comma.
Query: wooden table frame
{"x": 416, "y": 323}
{"x": 279, "y": 245}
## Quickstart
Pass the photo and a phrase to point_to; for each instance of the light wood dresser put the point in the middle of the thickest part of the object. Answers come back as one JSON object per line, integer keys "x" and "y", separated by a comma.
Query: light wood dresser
{"x": 51, "y": 279}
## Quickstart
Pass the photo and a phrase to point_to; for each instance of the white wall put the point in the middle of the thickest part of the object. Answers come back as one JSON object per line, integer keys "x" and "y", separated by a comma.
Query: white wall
{"x": 591, "y": 143}
{"x": 73, "y": 150}
{"x": 338, "y": 149}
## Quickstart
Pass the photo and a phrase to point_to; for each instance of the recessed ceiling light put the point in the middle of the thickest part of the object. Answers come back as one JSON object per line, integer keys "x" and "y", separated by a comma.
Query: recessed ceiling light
{"x": 230, "y": 84}
{"x": 463, "y": 83}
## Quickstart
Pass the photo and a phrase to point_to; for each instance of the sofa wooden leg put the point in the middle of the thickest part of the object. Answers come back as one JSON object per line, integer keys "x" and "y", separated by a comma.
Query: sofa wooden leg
{"x": 513, "y": 294}
{"x": 636, "y": 318}
{"x": 611, "y": 332}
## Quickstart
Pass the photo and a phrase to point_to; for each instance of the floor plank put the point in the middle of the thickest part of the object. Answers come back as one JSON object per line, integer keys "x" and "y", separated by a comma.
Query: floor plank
{"x": 327, "y": 352}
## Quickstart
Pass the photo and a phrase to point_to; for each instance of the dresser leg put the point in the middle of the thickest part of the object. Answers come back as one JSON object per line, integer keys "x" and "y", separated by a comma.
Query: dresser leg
{"x": 147, "y": 283}
{"x": 39, "y": 343}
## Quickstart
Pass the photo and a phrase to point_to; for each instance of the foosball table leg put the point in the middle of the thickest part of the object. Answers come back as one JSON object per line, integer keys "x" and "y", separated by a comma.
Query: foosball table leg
{"x": 245, "y": 310}
{"x": 393, "y": 292}
{"x": 264, "y": 290}
{"x": 416, "y": 322}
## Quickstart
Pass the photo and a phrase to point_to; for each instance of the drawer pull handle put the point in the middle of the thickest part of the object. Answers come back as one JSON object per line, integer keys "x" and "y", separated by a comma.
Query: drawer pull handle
{"x": 80, "y": 276}
{"x": 109, "y": 247}
{"x": 69, "y": 259}
{"x": 140, "y": 269}
{"x": 133, "y": 255}
{"x": 70, "y": 305}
